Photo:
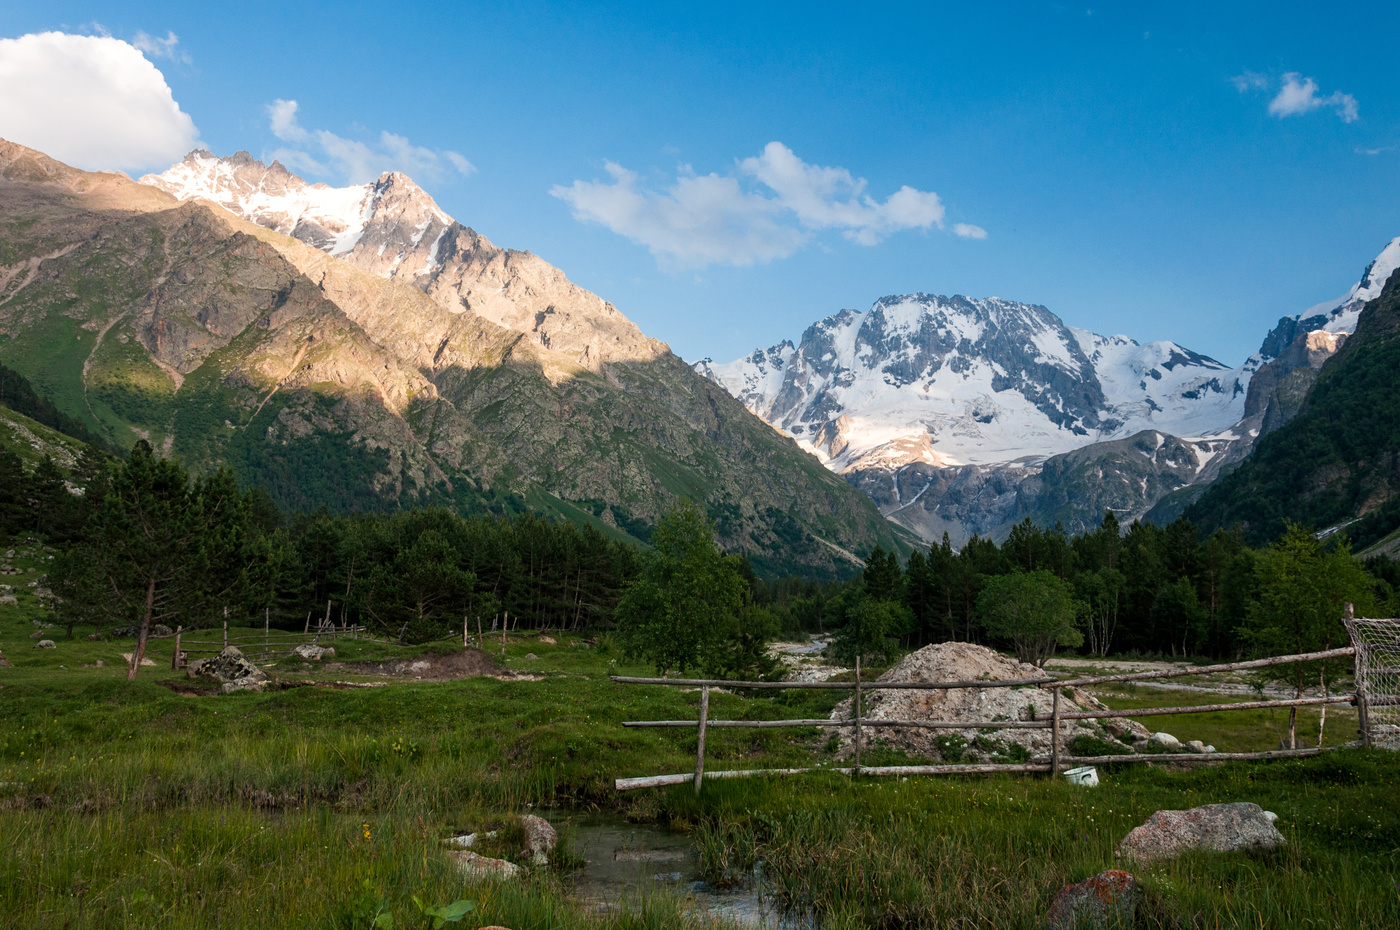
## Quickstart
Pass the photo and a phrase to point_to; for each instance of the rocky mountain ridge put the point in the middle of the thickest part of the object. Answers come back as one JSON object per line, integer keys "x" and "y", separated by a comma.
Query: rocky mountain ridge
{"x": 966, "y": 416}
{"x": 393, "y": 229}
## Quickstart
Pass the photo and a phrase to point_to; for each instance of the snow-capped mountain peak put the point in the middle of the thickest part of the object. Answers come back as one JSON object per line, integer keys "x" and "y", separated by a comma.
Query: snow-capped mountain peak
{"x": 956, "y": 380}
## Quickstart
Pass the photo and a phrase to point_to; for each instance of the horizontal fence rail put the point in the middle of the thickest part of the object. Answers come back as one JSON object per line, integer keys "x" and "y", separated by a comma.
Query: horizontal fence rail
{"x": 1057, "y": 760}
{"x": 835, "y": 685}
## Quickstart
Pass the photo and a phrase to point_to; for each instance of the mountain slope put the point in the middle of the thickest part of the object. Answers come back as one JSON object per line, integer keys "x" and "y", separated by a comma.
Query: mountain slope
{"x": 338, "y": 384}
{"x": 1335, "y": 461}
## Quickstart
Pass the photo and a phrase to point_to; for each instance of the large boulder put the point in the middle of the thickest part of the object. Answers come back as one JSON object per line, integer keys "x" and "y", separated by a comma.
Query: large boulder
{"x": 969, "y": 662}
{"x": 1214, "y": 827}
{"x": 1106, "y": 900}
{"x": 231, "y": 670}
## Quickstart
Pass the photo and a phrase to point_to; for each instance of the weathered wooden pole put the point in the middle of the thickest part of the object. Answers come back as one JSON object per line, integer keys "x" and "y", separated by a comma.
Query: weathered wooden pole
{"x": 1054, "y": 732}
{"x": 855, "y": 705}
{"x": 464, "y": 631}
{"x": 225, "y": 627}
{"x": 267, "y": 643}
{"x": 700, "y": 745}
{"x": 504, "y": 623}
{"x": 1363, "y": 704}
{"x": 175, "y": 659}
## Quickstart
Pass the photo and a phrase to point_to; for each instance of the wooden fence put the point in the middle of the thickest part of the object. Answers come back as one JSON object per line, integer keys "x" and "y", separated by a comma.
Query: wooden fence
{"x": 271, "y": 643}
{"x": 1057, "y": 761}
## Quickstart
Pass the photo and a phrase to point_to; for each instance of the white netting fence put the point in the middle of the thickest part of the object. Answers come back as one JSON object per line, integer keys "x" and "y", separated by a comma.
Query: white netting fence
{"x": 1377, "y": 645}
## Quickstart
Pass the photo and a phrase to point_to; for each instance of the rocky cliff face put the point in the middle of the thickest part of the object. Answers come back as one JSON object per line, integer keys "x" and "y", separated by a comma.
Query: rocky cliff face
{"x": 286, "y": 348}
{"x": 393, "y": 229}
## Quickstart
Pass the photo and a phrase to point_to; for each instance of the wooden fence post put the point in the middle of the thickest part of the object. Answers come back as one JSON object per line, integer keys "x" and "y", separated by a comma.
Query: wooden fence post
{"x": 700, "y": 746}
{"x": 175, "y": 659}
{"x": 1363, "y": 704}
{"x": 855, "y": 704}
{"x": 267, "y": 644}
{"x": 464, "y": 631}
{"x": 1054, "y": 731}
{"x": 225, "y": 627}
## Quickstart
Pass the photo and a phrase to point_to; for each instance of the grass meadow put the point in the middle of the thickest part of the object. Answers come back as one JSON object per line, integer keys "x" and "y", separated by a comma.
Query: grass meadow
{"x": 136, "y": 805}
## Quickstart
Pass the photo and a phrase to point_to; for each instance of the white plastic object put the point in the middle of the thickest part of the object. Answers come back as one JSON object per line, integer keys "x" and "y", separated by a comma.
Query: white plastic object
{"x": 1085, "y": 775}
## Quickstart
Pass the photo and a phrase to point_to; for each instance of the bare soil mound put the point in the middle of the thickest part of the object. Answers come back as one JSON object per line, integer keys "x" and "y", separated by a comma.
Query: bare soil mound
{"x": 968, "y": 662}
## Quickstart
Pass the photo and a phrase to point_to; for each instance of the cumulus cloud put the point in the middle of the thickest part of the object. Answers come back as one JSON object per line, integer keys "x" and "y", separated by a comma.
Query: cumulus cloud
{"x": 92, "y": 101}
{"x": 324, "y": 153}
{"x": 1297, "y": 95}
{"x": 701, "y": 220}
{"x": 167, "y": 47}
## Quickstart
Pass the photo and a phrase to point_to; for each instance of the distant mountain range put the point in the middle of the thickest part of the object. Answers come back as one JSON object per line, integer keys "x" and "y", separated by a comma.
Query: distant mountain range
{"x": 358, "y": 348}
{"x": 965, "y": 415}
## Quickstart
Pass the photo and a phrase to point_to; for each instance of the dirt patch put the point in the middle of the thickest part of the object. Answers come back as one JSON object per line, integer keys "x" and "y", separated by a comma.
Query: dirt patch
{"x": 466, "y": 663}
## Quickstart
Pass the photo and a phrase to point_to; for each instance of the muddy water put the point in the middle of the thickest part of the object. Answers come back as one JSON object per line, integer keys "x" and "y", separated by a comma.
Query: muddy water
{"x": 630, "y": 862}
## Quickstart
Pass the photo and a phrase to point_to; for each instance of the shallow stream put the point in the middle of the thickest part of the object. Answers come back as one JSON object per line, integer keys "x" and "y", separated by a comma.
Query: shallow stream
{"x": 631, "y": 862}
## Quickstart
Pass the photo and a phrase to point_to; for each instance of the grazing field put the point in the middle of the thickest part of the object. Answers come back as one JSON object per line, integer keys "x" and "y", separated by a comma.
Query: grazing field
{"x": 156, "y": 804}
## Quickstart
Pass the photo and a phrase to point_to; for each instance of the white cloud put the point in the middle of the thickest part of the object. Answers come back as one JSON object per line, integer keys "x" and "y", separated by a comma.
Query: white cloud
{"x": 91, "y": 101}
{"x": 161, "y": 48}
{"x": 968, "y": 231}
{"x": 701, "y": 220}
{"x": 353, "y": 160}
{"x": 696, "y": 222}
{"x": 1297, "y": 95}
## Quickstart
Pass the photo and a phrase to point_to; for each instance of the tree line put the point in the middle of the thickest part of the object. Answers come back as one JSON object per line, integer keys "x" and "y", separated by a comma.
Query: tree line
{"x": 145, "y": 543}
{"x": 1149, "y": 590}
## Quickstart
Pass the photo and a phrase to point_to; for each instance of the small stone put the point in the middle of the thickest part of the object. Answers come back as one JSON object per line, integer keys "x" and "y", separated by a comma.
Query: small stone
{"x": 549, "y": 640}
{"x": 531, "y": 655}
{"x": 1195, "y": 745}
{"x": 45, "y": 644}
{"x": 1214, "y": 827}
{"x": 94, "y": 637}
{"x": 1106, "y": 900}
{"x": 1165, "y": 740}
{"x": 145, "y": 662}
{"x": 8, "y": 600}
{"x": 99, "y": 664}
{"x": 472, "y": 865}
{"x": 244, "y": 684}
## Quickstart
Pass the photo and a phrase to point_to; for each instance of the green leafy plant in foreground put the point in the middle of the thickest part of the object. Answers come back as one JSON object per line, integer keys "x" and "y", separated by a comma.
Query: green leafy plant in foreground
{"x": 445, "y": 913}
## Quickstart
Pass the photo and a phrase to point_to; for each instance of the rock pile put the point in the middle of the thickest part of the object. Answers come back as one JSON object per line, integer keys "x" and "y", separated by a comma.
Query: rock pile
{"x": 231, "y": 670}
{"x": 969, "y": 662}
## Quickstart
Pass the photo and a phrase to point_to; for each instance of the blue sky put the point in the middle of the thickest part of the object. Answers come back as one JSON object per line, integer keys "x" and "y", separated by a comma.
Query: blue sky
{"x": 1183, "y": 172}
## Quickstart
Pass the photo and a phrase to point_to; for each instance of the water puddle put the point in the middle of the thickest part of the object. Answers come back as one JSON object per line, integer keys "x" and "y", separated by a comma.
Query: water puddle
{"x": 628, "y": 861}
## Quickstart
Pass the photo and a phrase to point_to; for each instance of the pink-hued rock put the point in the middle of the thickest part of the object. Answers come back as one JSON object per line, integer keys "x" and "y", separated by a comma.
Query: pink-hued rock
{"x": 1106, "y": 900}
{"x": 1214, "y": 827}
